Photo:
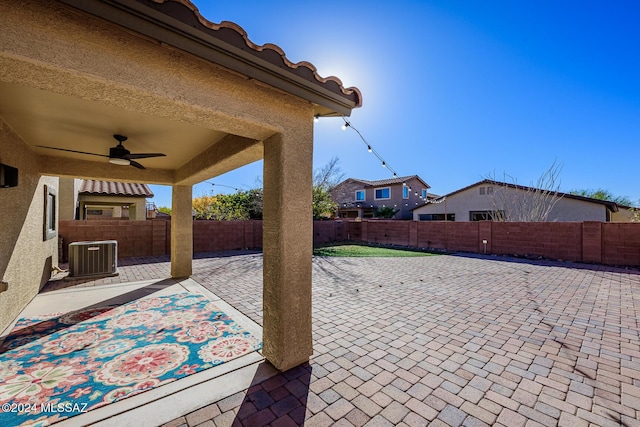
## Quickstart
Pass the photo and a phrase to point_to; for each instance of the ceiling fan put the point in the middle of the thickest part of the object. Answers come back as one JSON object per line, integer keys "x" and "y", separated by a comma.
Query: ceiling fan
{"x": 118, "y": 155}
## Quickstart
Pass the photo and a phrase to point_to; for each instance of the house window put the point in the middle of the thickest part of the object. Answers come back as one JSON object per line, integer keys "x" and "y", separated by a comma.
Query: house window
{"x": 485, "y": 215}
{"x": 50, "y": 221}
{"x": 405, "y": 192}
{"x": 359, "y": 195}
{"x": 437, "y": 217}
{"x": 424, "y": 193}
{"x": 383, "y": 193}
{"x": 486, "y": 190}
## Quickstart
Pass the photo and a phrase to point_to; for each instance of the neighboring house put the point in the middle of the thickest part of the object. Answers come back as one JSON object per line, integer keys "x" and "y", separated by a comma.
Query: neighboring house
{"x": 93, "y": 199}
{"x": 199, "y": 96}
{"x": 481, "y": 201}
{"x": 359, "y": 198}
{"x": 106, "y": 199}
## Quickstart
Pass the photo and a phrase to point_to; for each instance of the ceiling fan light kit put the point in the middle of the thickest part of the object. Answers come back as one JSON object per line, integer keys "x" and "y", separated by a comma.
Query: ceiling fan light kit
{"x": 121, "y": 162}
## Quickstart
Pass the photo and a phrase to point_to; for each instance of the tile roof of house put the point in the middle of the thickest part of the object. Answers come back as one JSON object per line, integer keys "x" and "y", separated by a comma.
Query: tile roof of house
{"x": 109, "y": 188}
{"x": 238, "y": 51}
{"x": 390, "y": 181}
{"x": 612, "y": 206}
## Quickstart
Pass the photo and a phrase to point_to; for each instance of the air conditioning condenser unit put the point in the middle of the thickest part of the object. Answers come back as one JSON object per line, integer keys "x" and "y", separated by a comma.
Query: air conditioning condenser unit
{"x": 93, "y": 258}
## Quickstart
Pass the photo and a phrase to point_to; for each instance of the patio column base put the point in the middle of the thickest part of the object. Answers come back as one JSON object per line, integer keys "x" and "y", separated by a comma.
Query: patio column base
{"x": 288, "y": 246}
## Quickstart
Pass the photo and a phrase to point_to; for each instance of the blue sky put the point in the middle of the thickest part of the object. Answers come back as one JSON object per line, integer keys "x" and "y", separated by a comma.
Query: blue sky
{"x": 455, "y": 91}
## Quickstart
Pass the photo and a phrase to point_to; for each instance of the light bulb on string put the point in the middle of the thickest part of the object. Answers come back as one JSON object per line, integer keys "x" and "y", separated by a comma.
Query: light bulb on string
{"x": 369, "y": 147}
{"x": 316, "y": 118}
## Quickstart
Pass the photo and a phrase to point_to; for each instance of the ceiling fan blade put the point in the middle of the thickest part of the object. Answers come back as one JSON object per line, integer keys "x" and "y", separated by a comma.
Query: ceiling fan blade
{"x": 136, "y": 164}
{"x": 72, "y": 151}
{"x": 143, "y": 155}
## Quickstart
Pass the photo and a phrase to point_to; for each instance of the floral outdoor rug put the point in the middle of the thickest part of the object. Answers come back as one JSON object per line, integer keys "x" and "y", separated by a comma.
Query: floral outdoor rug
{"x": 56, "y": 367}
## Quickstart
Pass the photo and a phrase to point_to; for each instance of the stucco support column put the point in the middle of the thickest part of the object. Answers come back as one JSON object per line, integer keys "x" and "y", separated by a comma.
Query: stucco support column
{"x": 181, "y": 231}
{"x": 288, "y": 246}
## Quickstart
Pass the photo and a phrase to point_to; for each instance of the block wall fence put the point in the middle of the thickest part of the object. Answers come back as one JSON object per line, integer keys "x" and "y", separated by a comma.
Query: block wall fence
{"x": 591, "y": 242}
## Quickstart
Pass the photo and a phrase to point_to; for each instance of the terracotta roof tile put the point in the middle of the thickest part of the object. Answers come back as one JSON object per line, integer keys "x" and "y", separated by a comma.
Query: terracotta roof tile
{"x": 235, "y": 35}
{"x": 110, "y": 188}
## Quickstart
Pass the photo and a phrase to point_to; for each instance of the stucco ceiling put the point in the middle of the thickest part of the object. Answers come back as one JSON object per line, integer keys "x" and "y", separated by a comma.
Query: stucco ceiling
{"x": 45, "y": 118}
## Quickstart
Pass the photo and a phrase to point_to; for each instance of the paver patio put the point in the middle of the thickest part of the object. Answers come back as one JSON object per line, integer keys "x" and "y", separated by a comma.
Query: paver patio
{"x": 447, "y": 340}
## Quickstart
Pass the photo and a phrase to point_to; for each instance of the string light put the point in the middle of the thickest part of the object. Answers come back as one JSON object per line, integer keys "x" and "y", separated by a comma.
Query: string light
{"x": 435, "y": 201}
{"x": 222, "y": 185}
{"x": 370, "y": 149}
{"x": 431, "y": 201}
{"x": 316, "y": 118}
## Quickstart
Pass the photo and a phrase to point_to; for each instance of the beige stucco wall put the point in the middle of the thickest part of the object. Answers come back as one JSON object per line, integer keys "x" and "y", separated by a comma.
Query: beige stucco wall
{"x": 462, "y": 203}
{"x": 578, "y": 210}
{"x": 25, "y": 259}
{"x": 68, "y": 198}
{"x": 288, "y": 244}
{"x": 623, "y": 215}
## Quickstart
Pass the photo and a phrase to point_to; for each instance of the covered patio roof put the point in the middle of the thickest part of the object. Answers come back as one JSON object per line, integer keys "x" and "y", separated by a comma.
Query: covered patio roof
{"x": 70, "y": 115}
{"x": 77, "y": 74}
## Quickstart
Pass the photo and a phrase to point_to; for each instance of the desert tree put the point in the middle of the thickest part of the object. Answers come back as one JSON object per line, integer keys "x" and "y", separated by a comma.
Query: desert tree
{"x": 602, "y": 194}
{"x": 513, "y": 202}
{"x": 241, "y": 205}
{"x": 324, "y": 180}
{"x": 329, "y": 175}
{"x": 248, "y": 204}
